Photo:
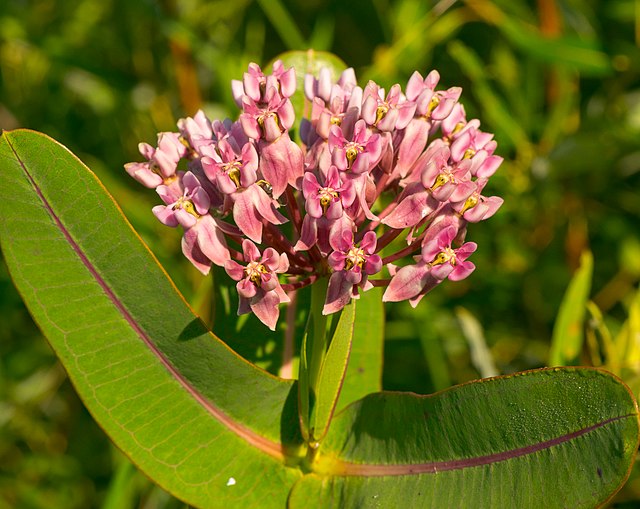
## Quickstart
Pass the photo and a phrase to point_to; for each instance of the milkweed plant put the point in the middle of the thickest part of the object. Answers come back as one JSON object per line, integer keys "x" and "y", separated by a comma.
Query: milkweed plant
{"x": 355, "y": 187}
{"x": 372, "y": 166}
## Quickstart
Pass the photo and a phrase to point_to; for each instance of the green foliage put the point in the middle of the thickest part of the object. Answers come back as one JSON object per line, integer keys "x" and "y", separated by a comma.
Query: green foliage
{"x": 101, "y": 75}
{"x": 213, "y": 429}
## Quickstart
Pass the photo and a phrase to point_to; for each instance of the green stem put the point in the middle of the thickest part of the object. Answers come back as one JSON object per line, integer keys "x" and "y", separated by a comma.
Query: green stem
{"x": 319, "y": 335}
{"x": 312, "y": 355}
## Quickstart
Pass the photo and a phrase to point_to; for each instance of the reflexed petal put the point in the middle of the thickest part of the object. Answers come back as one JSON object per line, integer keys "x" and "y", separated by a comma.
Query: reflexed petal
{"x": 234, "y": 270}
{"x": 407, "y": 283}
{"x": 265, "y": 307}
{"x": 281, "y": 162}
{"x": 250, "y": 251}
{"x": 461, "y": 271}
{"x": 413, "y": 143}
{"x": 246, "y": 289}
{"x": 338, "y": 293}
{"x": 246, "y": 217}
{"x": 193, "y": 252}
{"x": 211, "y": 240}
{"x": 165, "y": 215}
{"x": 264, "y": 205}
{"x": 308, "y": 235}
{"x": 411, "y": 210}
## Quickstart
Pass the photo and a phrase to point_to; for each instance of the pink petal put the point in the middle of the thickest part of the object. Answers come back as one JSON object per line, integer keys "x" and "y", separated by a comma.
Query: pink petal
{"x": 338, "y": 293}
{"x": 308, "y": 235}
{"x": 234, "y": 270}
{"x": 265, "y": 307}
{"x": 193, "y": 252}
{"x": 246, "y": 217}
{"x": 411, "y": 210}
{"x": 461, "y": 271}
{"x": 211, "y": 241}
{"x": 407, "y": 283}
{"x": 246, "y": 289}
{"x": 250, "y": 251}
{"x": 165, "y": 215}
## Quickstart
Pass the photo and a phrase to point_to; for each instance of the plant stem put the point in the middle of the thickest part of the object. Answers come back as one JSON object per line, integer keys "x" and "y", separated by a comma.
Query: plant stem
{"x": 318, "y": 334}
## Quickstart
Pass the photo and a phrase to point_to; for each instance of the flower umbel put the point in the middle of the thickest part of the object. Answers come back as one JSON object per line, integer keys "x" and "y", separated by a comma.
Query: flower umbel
{"x": 374, "y": 167}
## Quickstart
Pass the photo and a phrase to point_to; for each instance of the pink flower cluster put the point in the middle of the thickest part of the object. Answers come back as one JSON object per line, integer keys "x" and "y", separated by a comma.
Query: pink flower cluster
{"x": 402, "y": 172}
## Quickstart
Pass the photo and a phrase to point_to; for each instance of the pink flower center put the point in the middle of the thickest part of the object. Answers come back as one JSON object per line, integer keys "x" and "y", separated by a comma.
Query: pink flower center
{"x": 447, "y": 255}
{"x": 232, "y": 170}
{"x": 352, "y": 149}
{"x": 186, "y": 205}
{"x": 327, "y": 195}
{"x": 355, "y": 258}
{"x": 443, "y": 178}
{"x": 253, "y": 271}
{"x": 471, "y": 202}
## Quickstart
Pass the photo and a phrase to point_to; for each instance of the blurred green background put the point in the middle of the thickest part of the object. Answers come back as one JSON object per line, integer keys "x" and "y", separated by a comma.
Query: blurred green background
{"x": 558, "y": 81}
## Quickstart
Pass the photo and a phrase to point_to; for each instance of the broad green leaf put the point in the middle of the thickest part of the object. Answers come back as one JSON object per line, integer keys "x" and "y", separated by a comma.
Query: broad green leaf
{"x": 552, "y": 438}
{"x": 364, "y": 372}
{"x": 332, "y": 372}
{"x": 566, "y": 343}
{"x": 205, "y": 424}
{"x": 216, "y": 431}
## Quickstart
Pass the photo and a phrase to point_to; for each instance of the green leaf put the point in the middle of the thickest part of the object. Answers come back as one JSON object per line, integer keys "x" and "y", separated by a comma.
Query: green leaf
{"x": 209, "y": 427}
{"x": 216, "y": 431}
{"x": 364, "y": 371}
{"x": 568, "y": 336}
{"x": 332, "y": 372}
{"x": 550, "y": 438}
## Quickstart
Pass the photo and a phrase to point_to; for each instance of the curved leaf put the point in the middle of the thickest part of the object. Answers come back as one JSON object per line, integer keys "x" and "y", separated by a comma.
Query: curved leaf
{"x": 364, "y": 371}
{"x": 566, "y": 343}
{"x": 218, "y": 432}
{"x": 205, "y": 424}
{"x": 547, "y": 438}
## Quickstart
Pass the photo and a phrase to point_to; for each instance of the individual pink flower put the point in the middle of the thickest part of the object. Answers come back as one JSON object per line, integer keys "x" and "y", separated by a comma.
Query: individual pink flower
{"x": 473, "y": 144}
{"x": 269, "y": 119}
{"x": 357, "y": 155}
{"x": 203, "y": 241}
{"x": 440, "y": 182}
{"x": 325, "y": 205}
{"x": 386, "y": 113}
{"x": 196, "y": 131}
{"x": 438, "y": 261}
{"x": 351, "y": 265}
{"x": 258, "y": 286}
{"x": 476, "y": 207}
{"x": 162, "y": 162}
{"x": 235, "y": 175}
{"x": 255, "y": 83}
{"x": 356, "y": 158}
{"x": 432, "y": 104}
{"x": 333, "y": 103}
